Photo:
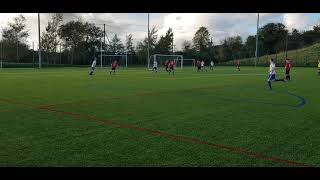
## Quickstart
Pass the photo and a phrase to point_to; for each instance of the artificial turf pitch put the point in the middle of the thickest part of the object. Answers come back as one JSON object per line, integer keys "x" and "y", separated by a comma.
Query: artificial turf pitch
{"x": 223, "y": 117}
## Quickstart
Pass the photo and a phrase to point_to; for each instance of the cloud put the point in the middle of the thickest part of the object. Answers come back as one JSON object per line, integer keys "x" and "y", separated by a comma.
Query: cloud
{"x": 184, "y": 25}
{"x": 296, "y": 20}
{"x": 220, "y": 25}
{"x": 31, "y": 24}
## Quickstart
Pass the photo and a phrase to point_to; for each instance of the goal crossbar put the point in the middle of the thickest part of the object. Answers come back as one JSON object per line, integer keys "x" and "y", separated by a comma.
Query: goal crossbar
{"x": 154, "y": 56}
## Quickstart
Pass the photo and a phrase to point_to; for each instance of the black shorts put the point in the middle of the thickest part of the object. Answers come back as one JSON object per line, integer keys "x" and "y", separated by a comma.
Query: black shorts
{"x": 92, "y": 68}
{"x": 199, "y": 67}
{"x": 171, "y": 68}
{"x": 287, "y": 71}
{"x": 113, "y": 69}
{"x": 154, "y": 67}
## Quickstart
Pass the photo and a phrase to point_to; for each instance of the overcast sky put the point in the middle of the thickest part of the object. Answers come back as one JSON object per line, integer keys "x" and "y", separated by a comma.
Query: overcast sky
{"x": 184, "y": 25}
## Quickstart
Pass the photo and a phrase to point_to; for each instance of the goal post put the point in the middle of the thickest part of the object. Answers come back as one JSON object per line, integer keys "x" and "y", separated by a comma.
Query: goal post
{"x": 161, "y": 58}
{"x": 107, "y": 59}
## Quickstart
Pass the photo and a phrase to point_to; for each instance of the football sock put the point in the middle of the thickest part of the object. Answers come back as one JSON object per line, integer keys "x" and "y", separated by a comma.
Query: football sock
{"x": 269, "y": 83}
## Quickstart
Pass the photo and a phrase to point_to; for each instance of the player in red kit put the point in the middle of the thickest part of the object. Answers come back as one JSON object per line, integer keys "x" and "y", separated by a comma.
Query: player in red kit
{"x": 171, "y": 67}
{"x": 166, "y": 64}
{"x": 198, "y": 65}
{"x": 287, "y": 67}
{"x": 238, "y": 65}
{"x": 114, "y": 66}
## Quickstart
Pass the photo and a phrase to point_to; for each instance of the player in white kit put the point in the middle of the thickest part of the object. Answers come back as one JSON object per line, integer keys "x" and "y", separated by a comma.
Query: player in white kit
{"x": 272, "y": 73}
{"x": 93, "y": 66}
{"x": 211, "y": 65}
{"x": 155, "y": 66}
{"x": 202, "y": 66}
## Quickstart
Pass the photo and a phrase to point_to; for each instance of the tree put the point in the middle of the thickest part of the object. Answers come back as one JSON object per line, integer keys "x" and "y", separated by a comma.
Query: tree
{"x": 295, "y": 40}
{"x": 72, "y": 34}
{"x": 82, "y": 37}
{"x": 129, "y": 45}
{"x": 187, "y": 50}
{"x": 316, "y": 28}
{"x": 152, "y": 38}
{"x": 233, "y": 48}
{"x": 311, "y": 36}
{"x": 50, "y": 38}
{"x": 186, "y": 46}
{"x": 142, "y": 47}
{"x": 164, "y": 45}
{"x": 17, "y": 30}
{"x": 16, "y": 33}
{"x": 116, "y": 47}
{"x": 273, "y": 37}
{"x": 201, "y": 39}
{"x": 250, "y": 46}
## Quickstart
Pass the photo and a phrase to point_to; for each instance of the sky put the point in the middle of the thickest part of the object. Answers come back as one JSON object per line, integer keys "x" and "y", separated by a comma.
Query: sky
{"x": 184, "y": 25}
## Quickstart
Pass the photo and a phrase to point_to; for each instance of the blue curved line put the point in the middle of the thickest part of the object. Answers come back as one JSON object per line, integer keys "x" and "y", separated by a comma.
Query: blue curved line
{"x": 302, "y": 100}
{"x": 258, "y": 102}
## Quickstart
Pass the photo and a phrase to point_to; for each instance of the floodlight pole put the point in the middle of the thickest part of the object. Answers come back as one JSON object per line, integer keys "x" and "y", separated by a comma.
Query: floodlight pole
{"x": 33, "y": 54}
{"x": 101, "y": 53}
{"x": 17, "y": 49}
{"x": 60, "y": 54}
{"x": 172, "y": 45}
{"x": 104, "y": 34}
{"x": 148, "y": 63}
{"x": 126, "y": 59}
{"x": 287, "y": 45}
{"x": 39, "y": 41}
{"x": 126, "y": 52}
{"x": 1, "y": 54}
{"x": 257, "y": 36}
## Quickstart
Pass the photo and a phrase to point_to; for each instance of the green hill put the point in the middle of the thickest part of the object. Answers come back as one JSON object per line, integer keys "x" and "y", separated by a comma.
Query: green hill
{"x": 307, "y": 56}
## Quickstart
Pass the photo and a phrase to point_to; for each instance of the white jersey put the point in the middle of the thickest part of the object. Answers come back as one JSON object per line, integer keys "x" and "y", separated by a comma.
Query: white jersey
{"x": 211, "y": 63}
{"x": 94, "y": 63}
{"x": 202, "y": 63}
{"x": 155, "y": 64}
{"x": 272, "y": 68}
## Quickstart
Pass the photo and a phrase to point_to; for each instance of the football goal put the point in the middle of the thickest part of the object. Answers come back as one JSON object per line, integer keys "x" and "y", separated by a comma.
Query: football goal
{"x": 106, "y": 60}
{"x": 161, "y": 58}
{"x": 189, "y": 62}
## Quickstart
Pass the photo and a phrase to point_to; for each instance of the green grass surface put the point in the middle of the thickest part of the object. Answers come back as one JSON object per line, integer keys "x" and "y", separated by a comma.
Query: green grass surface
{"x": 63, "y": 117}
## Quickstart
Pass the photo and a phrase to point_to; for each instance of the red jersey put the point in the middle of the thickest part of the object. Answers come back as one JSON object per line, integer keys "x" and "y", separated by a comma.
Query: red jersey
{"x": 171, "y": 64}
{"x": 166, "y": 63}
{"x": 114, "y": 65}
{"x": 287, "y": 66}
{"x": 198, "y": 63}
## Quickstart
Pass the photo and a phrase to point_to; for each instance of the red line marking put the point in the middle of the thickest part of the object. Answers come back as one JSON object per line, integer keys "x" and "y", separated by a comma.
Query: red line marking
{"x": 138, "y": 94}
{"x": 169, "y": 136}
{"x": 4, "y": 110}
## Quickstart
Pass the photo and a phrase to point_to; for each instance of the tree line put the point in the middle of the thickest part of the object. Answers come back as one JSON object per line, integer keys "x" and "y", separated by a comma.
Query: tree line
{"x": 77, "y": 42}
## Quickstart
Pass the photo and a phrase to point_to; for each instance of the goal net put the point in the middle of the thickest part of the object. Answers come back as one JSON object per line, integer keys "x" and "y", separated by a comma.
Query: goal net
{"x": 161, "y": 58}
{"x": 189, "y": 62}
{"x": 106, "y": 60}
